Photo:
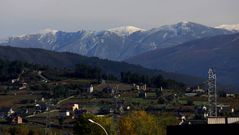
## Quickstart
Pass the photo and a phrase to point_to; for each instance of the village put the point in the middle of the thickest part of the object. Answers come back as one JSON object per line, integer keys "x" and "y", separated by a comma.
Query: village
{"x": 57, "y": 104}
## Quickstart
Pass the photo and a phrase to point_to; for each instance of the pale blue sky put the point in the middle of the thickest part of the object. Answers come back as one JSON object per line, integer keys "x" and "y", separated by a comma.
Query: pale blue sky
{"x": 29, "y": 16}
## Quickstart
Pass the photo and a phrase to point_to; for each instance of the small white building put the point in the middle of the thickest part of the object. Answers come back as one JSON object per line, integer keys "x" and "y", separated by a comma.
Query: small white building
{"x": 144, "y": 87}
{"x": 230, "y": 95}
{"x": 91, "y": 89}
{"x": 140, "y": 87}
{"x": 65, "y": 113}
{"x": 190, "y": 94}
{"x": 161, "y": 88}
{"x": 15, "y": 80}
{"x": 222, "y": 120}
{"x": 199, "y": 90}
{"x": 75, "y": 107}
{"x": 17, "y": 120}
{"x": 10, "y": 112}
{"x": 137, "y": 87}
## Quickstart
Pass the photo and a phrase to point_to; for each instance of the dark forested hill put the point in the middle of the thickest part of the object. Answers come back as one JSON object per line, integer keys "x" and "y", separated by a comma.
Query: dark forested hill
{"x": 69, "y": 60}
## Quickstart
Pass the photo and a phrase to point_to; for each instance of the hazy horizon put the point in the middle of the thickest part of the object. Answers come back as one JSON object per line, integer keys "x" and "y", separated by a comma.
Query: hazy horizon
{"x": 29, "y": 16}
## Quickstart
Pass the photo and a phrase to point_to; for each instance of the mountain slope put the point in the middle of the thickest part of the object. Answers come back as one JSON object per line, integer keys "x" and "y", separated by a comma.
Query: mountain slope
{"x": 195, "y": 57}
{"x": 69, "y": 60}
{"x": 117, "y": 43}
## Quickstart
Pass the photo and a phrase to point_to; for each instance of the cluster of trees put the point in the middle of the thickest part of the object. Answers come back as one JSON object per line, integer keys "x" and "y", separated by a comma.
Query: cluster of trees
{"x": 139, "y": 123}
{"x": 10, "y": 69}
{"x": 155, "y": 81}
{"x": 89, "y": 72}
{"x": 84, "y": 127}
{"x": 143, "y": 123}
{"x": 134, "y": 123}
{"x": 128, "y": 77}
{"x": 92, "y": 72}
{"x": 85, "y": 71}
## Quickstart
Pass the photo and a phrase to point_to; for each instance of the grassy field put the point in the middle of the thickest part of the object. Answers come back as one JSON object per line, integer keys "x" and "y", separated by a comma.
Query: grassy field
{"x": 15, "y": 98}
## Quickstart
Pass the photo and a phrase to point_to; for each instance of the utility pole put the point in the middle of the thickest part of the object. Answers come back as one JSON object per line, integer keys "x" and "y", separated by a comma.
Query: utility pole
{"x": 212, "y": 93}
{"x": 116, "y": 96}
{"x": 48, "y": 121}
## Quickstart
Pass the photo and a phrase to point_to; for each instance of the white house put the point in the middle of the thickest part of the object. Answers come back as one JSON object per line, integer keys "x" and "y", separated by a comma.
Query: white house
{"x": 65, "y": 113}
{"x": 91, "y": 89}
{"x": 75, "y": 107}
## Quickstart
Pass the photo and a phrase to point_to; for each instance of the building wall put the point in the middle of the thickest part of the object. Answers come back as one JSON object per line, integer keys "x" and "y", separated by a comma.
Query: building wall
{"x": 216, "y": 120}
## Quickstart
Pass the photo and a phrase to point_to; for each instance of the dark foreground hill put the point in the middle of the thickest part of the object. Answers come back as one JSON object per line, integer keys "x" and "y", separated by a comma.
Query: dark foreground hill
{"x": 69, "y": 60}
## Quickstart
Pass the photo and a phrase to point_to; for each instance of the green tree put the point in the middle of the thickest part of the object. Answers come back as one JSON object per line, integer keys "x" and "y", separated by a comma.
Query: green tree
{"x": 84, "y": 127}
{"x": 138, "y": 123}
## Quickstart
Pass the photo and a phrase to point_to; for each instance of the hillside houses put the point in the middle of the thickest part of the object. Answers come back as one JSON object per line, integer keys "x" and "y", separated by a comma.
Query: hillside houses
{"x": 140, "y": 86}
{"x": 191, "y": 92}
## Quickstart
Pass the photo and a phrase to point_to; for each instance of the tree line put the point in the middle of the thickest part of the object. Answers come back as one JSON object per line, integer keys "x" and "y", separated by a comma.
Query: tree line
{"x": 133, "y": 123}
{"x": 11, "y": 70}
{"x": 154, "y": 81}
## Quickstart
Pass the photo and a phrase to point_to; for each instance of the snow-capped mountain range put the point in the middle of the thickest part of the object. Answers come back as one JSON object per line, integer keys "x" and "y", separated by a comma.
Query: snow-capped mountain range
{"x": 116, "y": 43}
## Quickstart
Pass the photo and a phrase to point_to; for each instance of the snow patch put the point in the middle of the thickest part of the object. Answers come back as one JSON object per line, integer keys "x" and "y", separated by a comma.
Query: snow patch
{"x": 48, "y": 30}
{"x": 165, "y": 35}
{"x": 125, "y": 30}
{"x": 233, "y": 27}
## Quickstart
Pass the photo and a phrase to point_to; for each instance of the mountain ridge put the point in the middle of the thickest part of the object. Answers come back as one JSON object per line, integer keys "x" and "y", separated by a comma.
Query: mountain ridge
{"x": 109, "y": 45}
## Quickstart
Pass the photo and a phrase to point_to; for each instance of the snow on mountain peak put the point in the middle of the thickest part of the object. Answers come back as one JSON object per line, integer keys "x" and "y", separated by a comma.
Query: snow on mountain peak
{"x": 183, "y": 25}
{"x": 48, "y": 30}
{"x": 125, "y": 30}
{"x": 184, "y": 22}
{"x": 187, "y": 23}
{"x": 233, "y": 27}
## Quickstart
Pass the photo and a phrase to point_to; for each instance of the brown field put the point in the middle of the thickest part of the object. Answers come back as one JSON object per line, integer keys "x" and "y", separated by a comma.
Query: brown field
{"x": 13, "y": 99}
